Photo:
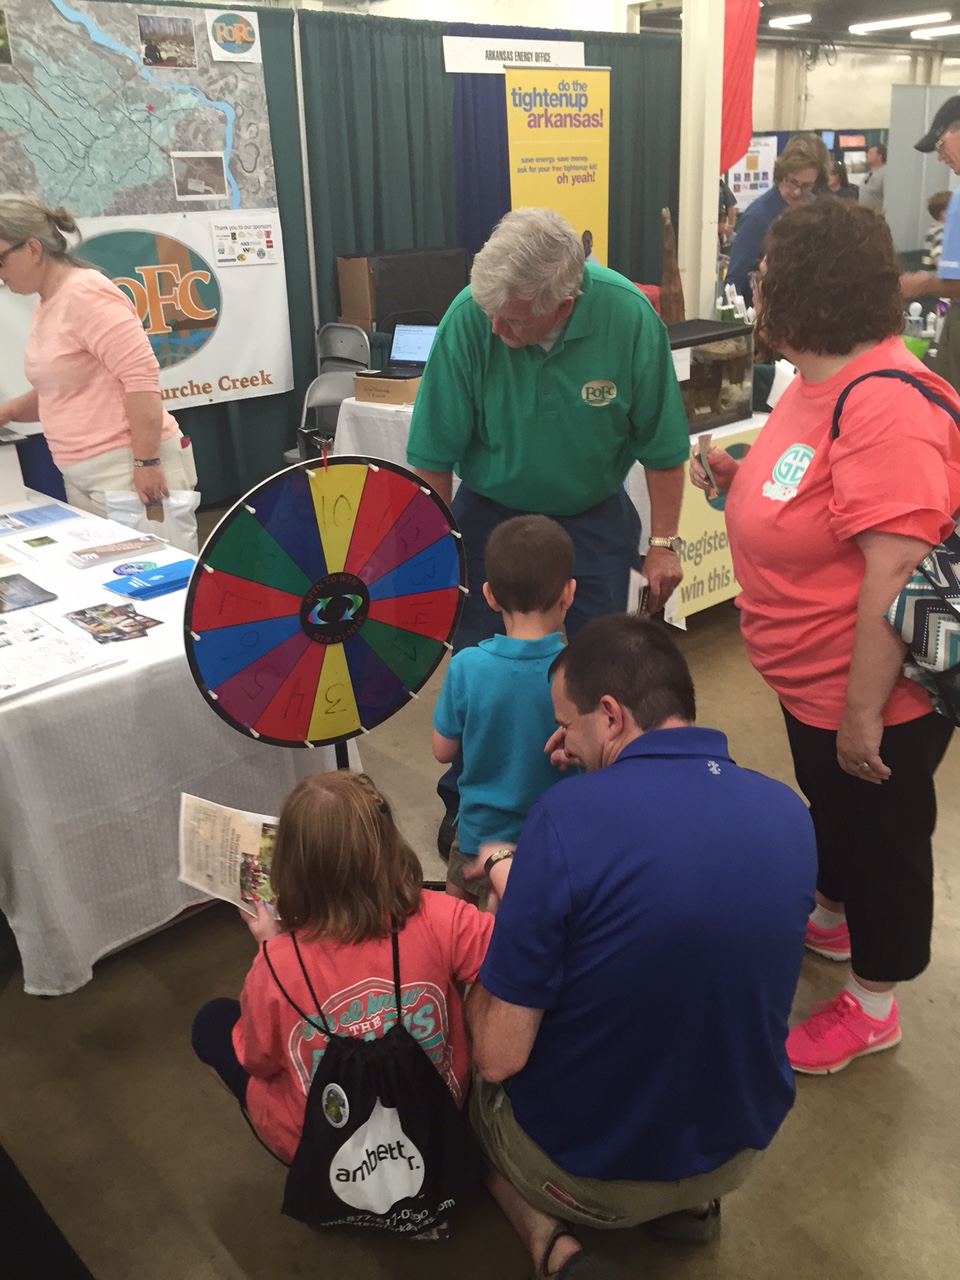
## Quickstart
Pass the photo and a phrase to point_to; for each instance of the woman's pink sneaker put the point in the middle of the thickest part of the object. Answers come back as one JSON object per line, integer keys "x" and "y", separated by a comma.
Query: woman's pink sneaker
{"x": 836, "y": 1033}
{"x": 832, "y": 943}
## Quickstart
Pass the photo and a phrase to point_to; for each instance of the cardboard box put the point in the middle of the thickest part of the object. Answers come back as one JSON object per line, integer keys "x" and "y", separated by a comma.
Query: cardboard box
{"x": 358, "y": 294}
{"x": 374, "y": 390}
{"x": 416, "y": 285}
{"x": 366, "y": 323}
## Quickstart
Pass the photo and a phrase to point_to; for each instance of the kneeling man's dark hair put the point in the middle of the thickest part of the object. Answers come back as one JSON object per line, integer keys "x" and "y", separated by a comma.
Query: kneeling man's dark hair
{"x": 633, "y": 661}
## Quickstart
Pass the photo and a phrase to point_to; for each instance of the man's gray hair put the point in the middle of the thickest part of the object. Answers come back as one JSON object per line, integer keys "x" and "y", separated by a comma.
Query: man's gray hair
{"x": 533, "y": 255}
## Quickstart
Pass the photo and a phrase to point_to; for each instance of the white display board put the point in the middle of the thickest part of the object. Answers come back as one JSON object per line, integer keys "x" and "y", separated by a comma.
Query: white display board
{"x": 752, "y": 175}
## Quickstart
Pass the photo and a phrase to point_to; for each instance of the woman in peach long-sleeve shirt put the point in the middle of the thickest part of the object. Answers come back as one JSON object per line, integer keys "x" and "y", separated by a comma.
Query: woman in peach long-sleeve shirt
{"x": 94, "y": 378}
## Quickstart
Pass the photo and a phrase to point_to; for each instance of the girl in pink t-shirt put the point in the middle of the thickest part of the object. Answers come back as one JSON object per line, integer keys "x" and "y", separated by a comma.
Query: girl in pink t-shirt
{"x": 342, "y": 871}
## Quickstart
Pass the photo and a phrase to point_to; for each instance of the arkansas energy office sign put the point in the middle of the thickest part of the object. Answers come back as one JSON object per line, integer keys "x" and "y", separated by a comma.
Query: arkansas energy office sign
{"x": 219, "y": 332}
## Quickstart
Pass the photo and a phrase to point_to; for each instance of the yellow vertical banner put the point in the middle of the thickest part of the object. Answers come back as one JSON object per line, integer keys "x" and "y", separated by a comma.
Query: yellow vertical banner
{"x": 558, "y": 136}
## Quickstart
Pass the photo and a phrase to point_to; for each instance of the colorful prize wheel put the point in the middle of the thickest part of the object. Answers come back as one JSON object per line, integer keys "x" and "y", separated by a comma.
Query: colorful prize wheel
{"x": 323, "y": 601}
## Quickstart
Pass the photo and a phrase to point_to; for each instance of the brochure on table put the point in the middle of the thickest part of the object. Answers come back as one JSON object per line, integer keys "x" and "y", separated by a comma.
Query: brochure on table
{"x": 80, "y": 624}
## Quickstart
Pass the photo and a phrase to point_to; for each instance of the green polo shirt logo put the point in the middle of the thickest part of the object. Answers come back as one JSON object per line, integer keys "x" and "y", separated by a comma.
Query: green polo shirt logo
{"x": 599, "y": 393}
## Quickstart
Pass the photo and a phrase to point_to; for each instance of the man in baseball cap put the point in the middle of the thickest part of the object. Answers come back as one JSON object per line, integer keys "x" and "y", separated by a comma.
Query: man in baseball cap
{"x": 943, "y": 137}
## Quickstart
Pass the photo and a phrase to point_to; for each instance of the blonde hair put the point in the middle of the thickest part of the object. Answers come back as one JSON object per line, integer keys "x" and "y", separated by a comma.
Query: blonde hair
{"x": 25, "y": 218}
{"x": 533, "y": 255}
{"x": 340, "y": 866}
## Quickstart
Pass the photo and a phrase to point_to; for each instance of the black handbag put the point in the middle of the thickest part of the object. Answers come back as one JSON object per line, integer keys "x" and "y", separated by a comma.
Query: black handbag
{"x": 383, "y": 1143}
{"x": 926, "y": 613}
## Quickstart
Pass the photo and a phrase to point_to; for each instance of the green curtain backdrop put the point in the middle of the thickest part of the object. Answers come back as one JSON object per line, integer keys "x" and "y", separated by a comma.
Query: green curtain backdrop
{"x": 379, "y": 111}
{"x": 240, "y": 442}
{"x": 644, "y": 143}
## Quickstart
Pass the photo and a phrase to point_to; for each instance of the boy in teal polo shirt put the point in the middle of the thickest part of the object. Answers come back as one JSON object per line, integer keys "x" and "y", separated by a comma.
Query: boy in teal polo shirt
{"x": 495, "y": 702}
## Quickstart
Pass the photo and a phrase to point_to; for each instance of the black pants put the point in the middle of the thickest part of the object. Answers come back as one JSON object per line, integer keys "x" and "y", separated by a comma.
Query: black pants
{"x": 211, "y": 1037}
{"x": 873, "y": 842}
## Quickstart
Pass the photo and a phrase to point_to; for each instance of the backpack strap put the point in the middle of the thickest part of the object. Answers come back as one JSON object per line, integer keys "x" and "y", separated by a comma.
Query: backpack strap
{"x": 325, "y": 1027}
{"x": 900, "y": 375}
{"x": 394, "y": 932}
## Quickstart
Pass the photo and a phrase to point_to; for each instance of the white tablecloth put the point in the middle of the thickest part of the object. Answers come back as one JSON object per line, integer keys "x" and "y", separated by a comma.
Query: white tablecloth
{"x": 91, "y": 773}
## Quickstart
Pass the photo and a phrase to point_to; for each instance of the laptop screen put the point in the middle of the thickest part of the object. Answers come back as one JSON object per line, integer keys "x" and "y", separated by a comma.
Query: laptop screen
{"x": 411, "y": 343}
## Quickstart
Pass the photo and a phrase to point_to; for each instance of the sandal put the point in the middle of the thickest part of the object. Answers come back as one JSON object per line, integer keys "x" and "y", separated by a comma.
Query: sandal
{"x": 687, "y": 1226}
{"x": 580, "y": 1266}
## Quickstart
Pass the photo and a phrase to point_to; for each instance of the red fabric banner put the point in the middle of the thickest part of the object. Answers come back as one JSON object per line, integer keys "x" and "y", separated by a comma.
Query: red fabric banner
{"x": 739, "y": 51}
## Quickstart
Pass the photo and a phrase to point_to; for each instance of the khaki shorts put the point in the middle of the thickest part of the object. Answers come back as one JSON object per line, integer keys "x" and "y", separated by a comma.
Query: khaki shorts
{"x": 477, "y": 890}
{"x": 589, "y": 1202}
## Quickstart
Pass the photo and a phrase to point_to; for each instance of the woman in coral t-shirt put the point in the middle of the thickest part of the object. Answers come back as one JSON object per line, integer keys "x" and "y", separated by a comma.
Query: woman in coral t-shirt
{"x": 342, "y": 871}
{"x": 94, "y": 378}
{"x": 824, "y": 534}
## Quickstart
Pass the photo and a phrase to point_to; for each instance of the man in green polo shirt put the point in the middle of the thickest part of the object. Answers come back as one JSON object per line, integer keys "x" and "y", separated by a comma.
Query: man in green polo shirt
{"x": 547, "y": 380}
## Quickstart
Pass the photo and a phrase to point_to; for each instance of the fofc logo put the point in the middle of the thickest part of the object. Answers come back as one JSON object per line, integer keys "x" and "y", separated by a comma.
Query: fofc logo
{"x": 599, "y": 393}
{"x": 174, "y": 290}
{"x": 233, "y": 34}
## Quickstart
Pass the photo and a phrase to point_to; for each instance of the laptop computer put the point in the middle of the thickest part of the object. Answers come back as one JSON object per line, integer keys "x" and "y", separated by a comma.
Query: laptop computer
{"x": 409, "y": 350}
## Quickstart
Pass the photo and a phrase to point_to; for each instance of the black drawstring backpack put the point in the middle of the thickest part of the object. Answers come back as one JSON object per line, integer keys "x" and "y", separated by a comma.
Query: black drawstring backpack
{"x": 383, "y": 1143}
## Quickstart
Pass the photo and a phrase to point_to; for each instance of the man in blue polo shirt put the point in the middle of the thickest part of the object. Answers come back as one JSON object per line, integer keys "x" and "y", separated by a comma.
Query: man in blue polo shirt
{"x": 643, "y": 963}
{"x": 943, "y": 137}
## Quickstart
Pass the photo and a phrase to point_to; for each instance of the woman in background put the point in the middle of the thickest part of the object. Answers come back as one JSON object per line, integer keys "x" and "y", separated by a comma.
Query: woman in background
{"x": 800, "y": 166}
{"x": 94, "y": 378}
{"x": 839, "y": 184}
{"x": 824, "y": 533}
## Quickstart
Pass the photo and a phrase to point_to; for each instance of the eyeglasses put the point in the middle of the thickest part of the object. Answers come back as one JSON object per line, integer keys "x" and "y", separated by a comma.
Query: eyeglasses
{"x": 802, "y": 187}
{"x": 7, "y": 252}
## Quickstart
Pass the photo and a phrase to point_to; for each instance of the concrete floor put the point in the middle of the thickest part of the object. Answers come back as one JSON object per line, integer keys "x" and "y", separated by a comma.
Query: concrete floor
{"x": 152, "y": 1175}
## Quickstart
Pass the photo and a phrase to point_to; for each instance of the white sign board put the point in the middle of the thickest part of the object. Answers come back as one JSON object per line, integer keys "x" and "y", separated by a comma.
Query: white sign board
{"x": 467, "y": 55}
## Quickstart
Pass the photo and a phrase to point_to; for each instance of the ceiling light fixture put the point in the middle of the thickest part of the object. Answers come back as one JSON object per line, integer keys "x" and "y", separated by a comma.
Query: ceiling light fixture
{"x": 797, "y": 20}
{"x": 931, "y": 33}
{"x": 891, "y": 24}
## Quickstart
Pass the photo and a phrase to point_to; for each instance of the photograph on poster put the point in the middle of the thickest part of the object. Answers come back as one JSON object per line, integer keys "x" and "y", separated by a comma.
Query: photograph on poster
{"x": 199, "y": 175}
{"x": 6, "y": 58}
{"x": 167, "y": 41}
{"x": 856, "y": 165}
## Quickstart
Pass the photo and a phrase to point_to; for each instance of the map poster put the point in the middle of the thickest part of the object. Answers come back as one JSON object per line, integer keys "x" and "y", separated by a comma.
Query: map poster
{"x": 122, "y": 114}
{"x": 558, "y": 136}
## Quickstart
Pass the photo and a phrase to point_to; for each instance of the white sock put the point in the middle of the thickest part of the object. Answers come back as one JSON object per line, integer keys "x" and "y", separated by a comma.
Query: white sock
{"x": 875, "y": 1004}
{"x": 825, "y": 919}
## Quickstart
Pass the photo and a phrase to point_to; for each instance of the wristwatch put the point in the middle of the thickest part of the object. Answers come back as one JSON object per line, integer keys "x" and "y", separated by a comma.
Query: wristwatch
{"x": 494, "y": 858}
{"x": 146, "y": 462}
{"x": 672, "y": 544}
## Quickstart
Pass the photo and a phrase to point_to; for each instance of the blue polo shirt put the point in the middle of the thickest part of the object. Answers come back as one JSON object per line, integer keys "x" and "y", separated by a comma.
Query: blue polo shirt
{"x": 948, "y": 267}
{"x": 496, "y": 699}
{"x": 656, "y": 911}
